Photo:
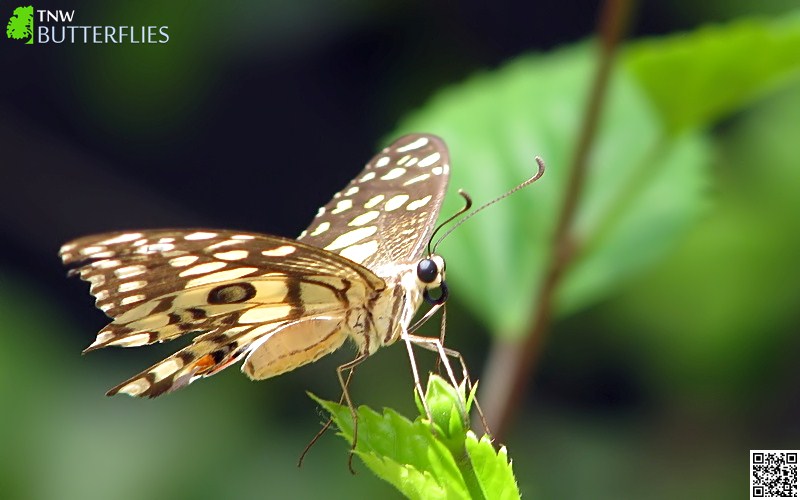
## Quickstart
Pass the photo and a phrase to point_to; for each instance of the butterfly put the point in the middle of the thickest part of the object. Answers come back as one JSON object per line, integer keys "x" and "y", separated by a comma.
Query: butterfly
{"x": 360, "y": 271}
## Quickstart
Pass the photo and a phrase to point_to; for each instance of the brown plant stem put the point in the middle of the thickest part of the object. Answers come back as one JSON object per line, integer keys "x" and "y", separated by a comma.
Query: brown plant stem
{"x": 511, "y": 363}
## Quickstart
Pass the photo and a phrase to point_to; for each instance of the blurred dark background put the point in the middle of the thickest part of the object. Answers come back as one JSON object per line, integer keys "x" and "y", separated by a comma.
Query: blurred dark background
{"x": 250, "y": 117}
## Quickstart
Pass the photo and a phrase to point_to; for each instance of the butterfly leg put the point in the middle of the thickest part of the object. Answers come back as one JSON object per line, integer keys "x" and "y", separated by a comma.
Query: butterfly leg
{"x": 442, "y": 332}
{"x": 327, "y": 424}
{"x": 415, "y": 373}
{"x": 435, "y": 344}
{"x": 346, "y": 395}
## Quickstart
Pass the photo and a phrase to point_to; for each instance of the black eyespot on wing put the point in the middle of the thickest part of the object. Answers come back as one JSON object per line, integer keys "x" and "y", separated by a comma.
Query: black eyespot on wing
{"x": 232, "y": 294}
{"x": 427, "y": 271}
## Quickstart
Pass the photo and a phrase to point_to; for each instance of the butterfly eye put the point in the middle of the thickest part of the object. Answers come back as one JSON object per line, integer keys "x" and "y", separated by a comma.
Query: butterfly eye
{"x": 427, "y": 271}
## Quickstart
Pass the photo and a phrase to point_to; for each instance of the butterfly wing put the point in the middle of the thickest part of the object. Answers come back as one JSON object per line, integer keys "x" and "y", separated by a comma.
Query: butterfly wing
{"x": 279, "y": 302}
{"x": 234, "y": 289}
{"x": 386, "y": 215}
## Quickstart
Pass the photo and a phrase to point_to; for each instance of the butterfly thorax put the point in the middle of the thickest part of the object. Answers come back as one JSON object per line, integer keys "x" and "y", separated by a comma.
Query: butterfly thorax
{"x": 390, "y": 312}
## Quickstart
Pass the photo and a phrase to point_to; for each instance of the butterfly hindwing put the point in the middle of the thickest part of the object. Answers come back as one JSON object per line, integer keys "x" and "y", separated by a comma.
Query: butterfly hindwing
{"x": 269, "y": 349}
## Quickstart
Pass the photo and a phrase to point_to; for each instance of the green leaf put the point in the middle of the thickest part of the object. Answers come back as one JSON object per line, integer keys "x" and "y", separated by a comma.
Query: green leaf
{"x": 647, "y": 172}
{"x": 661, "y": 201}
{"x": 696, "y": 78}
{"x": 492, "y": 468}
{"x": 428, "y": 460}
{"x": 639, "y": 183}
{"x": 399, "y": 451}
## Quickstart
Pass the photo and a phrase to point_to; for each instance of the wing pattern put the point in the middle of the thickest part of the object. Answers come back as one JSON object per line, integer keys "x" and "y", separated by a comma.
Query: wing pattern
{"x": 385, "y": 216}
{"x": 276, "y": 302}
{"x": 232, "y": 289}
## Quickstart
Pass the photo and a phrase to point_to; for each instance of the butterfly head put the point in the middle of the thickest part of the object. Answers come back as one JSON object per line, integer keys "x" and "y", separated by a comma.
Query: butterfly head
{"x": 430, "y": 275}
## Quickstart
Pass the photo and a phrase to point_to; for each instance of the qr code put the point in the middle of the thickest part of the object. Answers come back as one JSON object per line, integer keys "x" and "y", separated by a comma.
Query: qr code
{"x": 773, "y": 473}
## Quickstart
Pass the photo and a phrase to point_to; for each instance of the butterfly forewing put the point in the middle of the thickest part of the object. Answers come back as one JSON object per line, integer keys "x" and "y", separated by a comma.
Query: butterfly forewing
{"x": 140, "y": 274}
{"x": 387, "y": 213}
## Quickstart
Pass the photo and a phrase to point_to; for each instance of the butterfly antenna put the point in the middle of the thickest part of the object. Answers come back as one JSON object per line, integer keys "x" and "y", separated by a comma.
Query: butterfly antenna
{"x": 508, "y": 193}
{"x": 466, "y": 207}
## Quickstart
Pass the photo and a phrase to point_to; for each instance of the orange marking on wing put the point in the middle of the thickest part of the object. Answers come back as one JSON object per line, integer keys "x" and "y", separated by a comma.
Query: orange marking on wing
{"x": 204, "y": 364}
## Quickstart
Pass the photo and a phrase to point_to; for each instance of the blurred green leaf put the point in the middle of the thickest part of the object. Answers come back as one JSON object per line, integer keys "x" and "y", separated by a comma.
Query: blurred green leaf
{"x": 644, "y": 188}
{"x": 717, "y": 322}
{"x": 696, "y": 78}
{"x": 447, "y": 463}
{"x": 639, "y": 183}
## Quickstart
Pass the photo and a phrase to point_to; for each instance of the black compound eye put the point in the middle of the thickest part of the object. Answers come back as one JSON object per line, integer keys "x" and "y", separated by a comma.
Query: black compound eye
{"x": 427, "y": 271}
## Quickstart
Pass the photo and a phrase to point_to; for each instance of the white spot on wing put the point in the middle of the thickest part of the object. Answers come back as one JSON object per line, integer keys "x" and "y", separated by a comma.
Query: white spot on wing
{"x": 242, "y": 237}
{"x": 281, "y": 251}
{"x": 102, "y": 337}
{"x": 223, "y": 243}
{"x": 321, "y": 228}
{"x": 132, "y": 340}
{"x": 122, "y": 238}
{"x": 166, "y": 368}
{"x": 96, "y": 279}
{"x": 232, "y": 255}
{"x": 124, "y": 273}
{"x": 395, "y": 202}
{"x": 429, "y": 160}
{"x": 365, "y": 218}
{"x": 367, "y": 177}
{"x": 382, "y": 161}
{"x": 207, "y": 267}
{"x": 137, "y": 312}
{"x": 416, "y": 179}
{"x": 437, "y": 170}
{"x": 373, "y": 201}
{"x": 422, "y": 141}
{"x": 131, "y": 300}
{"x": 418, "y": 203}
{"x": 394, "y": 174}
{"x": 104, "y": 255}
{"x": 200, "y": 235}
{"x": 359, "y": 253}
{"x": 320, "y": 212}
{"x": 106, "y": 264}
{"x": 353, "y": 190}
{"x": 136, "y": 387}
{"x": 351, "y": 237}
{"x": 342, "y": 206}
{"x": 183, "y": 260}
{"x": 130, "y": 286}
